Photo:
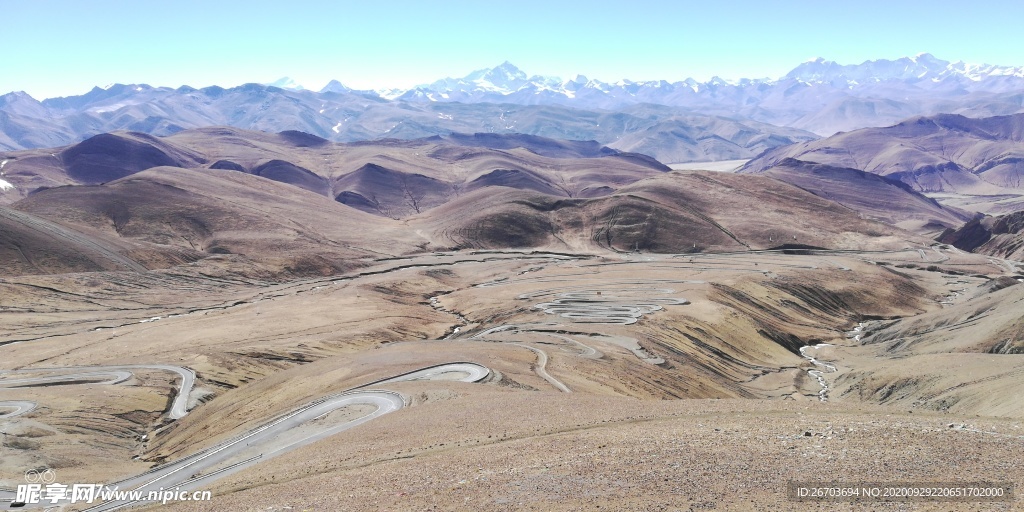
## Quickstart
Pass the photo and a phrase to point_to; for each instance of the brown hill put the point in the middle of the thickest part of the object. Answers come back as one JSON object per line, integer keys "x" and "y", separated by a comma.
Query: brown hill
{"x": 381, "y": 191}
{"x": 543, "y": 146}
{"x": 962, "y": 359}
{"x": 287, "y": 172}
{"x": 389, "y": 177}
{"x": 944, "y": 153}
{"x": 1001, "y": 236}
{"x": 107, "y": 157}
{"x": 170, "y": 215}
{"x": 33, "y": 245}
{"x": 298, "y": 204}
{"x": 876, "y": 197}
{"x": 674, "y": 212}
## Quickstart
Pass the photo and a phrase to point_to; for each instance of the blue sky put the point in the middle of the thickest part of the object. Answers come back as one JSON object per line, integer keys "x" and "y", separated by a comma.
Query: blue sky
{"x": 57, "y": 48}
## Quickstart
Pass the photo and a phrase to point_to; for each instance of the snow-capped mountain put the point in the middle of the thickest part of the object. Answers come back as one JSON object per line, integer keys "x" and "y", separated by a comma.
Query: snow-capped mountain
{"x": 504, "y": 78}
{"x": 923, "y": 66}
{"x": 287, "y": 83}
{"x": 819, "y": 95}
{"x": 676, "y": 121}
{"x": 335, "y": 86}
{"x": 506, "y": 82}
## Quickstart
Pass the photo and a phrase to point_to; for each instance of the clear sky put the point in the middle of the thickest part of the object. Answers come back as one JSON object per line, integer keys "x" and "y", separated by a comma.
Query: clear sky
{"x": 65, "y": 47}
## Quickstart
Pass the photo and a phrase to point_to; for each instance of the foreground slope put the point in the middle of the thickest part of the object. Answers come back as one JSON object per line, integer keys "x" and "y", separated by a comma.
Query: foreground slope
{"x": 543, "y": 323}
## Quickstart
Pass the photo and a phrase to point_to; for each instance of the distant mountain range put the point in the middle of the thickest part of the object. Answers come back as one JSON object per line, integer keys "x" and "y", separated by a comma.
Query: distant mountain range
{"x": 673, "y": 121}
{"x": 508, "y": 84}
{"x": 820, "y": 96}
{"x": 666, "y": 133}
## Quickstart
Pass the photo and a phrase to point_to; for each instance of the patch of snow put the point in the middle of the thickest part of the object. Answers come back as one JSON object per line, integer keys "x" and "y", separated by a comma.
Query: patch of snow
{"x": 5, "y": 186}
{"x": 390, "y": 94}
{"x": 154, "y": 319}
{"x": 445, "y": 116}
{"x": 336, "y": 127}
{"x": 138, "y": 89}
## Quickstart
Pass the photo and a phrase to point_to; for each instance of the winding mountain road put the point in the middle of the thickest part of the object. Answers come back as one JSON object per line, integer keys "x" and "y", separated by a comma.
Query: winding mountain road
{"x": 271, "y": 439}
{"x": 103, "y": 375}
{"x": 19, "y": 407}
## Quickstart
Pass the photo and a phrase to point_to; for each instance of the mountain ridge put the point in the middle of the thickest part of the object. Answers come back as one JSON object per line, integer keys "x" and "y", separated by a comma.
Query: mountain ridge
{"x": 944, "y": 153}
{"x": 665, "y": 120}
{"x": 349, "y": 116}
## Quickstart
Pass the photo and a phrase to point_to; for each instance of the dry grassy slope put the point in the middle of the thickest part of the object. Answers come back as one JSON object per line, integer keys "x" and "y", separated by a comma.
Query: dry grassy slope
{"x": 674, "y": 212}
{"x": 714, "y": 352}
{"x": 752, "y": 326}
{"x": 463, "y": 196}
{"x": 170, "y": 214}
{"x": 1001, "y": 236}
{"x": 577, "y": 452}
{"x": 765, "y": 213}
{"x": 102, "y": 430}
{"x": 872, "y": 196}
{"x": 949, "y": 153}
{"x": 428, "y": 172}
{"x": 794, "y": 309}
{"x": 964, "y": 358}
{"x": 742, "y": 326}
{"x": 32, "y": 245}
{"x": 304, "y": 339}
{"x": 993, "y": 312}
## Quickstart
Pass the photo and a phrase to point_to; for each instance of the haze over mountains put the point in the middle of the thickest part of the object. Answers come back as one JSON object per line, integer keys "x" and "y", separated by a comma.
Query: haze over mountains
{"x": 671, "y": 121}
